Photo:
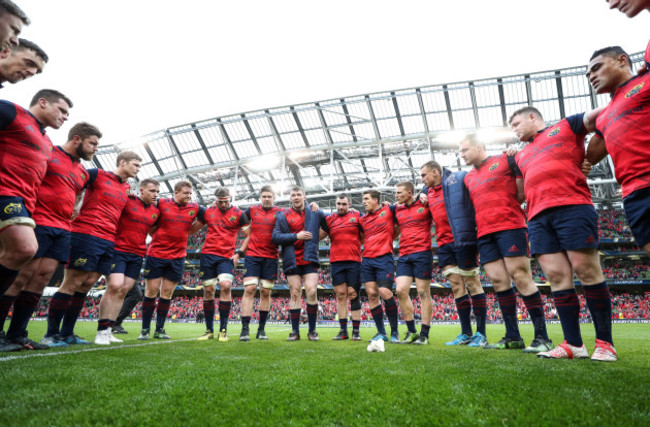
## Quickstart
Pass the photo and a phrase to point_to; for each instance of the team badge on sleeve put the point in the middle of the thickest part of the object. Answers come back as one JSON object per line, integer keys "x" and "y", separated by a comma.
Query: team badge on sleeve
{"x": 636, "y": 89}
{"x": 494, "y": 166}
{"x": 553, "y": 132}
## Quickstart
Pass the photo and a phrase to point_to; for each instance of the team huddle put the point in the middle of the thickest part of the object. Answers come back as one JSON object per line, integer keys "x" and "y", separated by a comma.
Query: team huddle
{"x": 54, "y": 211}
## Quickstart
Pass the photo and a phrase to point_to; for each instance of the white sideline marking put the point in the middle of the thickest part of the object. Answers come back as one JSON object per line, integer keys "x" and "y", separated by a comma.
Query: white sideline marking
{"x": 34, "y": 353}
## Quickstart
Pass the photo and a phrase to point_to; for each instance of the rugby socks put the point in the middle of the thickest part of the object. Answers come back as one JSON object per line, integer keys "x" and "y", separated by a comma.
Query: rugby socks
{"x": 7, "y": 277}
{"x": 356, "y": 324}
{"x": 208, "y": 310}
{"x": 245, "y": 322}
{"x": 161, "y": 312}
{"x": 508, "y": 304}
{"x": 312, "y": 314}
{"x": 390, "y": 306}
{"x": 410, "y": 325}
{"x": 294, "y": 314}
{"x": 343, "y": 323}
{"x": 224, "y": 313}
{"x": 24, "y": 307}
{"x": 6, "y": 301}
{"x": 58, "y": 306}
{"x": 599, "y": 302}
{"x": 424, "y": 331}
{"x": 264, "y": 314}
{"x": 72, "y": 313}
{"x": 103, "y": 324}
{"x": 479, "y": 305}
{"x": 464, "y": 308}
{"x": 378, "y": 317}
{"x": 148, "y": 305}
{"x": 535, "y": 308}
{"x": 568, "y": 308}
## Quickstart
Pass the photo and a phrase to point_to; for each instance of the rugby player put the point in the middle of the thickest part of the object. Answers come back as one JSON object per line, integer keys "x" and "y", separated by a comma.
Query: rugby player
{"x": 625, "y": 126}
{"x": 165, "y": 262}
{"x": 138, "y": 217}
{"x": 260, "y": 263}
{"x": 563, "y": 226}
{"x": 22, "y": 62}
{"x": 457, "y": 251}
{"x": 219, "y": 259}
{"x": 63, "y": 182}
{"x": 377, "y": 263}
{"x": 297, "y": 229}
{"x": 25, "y": 150}
{"x": 496, "y": 189}
{"x": 12, "y": 19}
{"x": 344, "y": 231}
{"x": 92, "y": 245}
{"x": 415, "y": 260}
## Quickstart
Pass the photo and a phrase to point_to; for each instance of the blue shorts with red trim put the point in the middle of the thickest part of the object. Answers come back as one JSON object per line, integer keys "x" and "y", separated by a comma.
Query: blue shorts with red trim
{"x": 52, "y": 243}
{"x": 301, "y": 270}
{"x": 418, "y": 265}
{"x": 501, "y": 244}
{"x": 260, "y": 267}
{"x": 380, "y": 270}
{"x": 171, "y": 269}
{"x": 127, "y": 264}
{"x": 90, "y": 253}
{"x": 213, "y": 265}
{"x": 348, "y": 272}
{"x": 637, "y": 211}
{"x": 465, "y": 257}
{"x": 564, "y": 228}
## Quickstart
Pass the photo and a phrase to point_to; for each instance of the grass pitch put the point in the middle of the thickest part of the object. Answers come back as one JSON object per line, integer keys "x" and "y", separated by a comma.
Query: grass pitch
{"x": 188, "y": 382}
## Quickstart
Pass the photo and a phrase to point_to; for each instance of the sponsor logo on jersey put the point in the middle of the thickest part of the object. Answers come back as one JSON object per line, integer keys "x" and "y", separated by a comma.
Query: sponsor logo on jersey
{"x": 494, "y": 166}
{"x": 13, "y": 208}
{"x": 30, "y": 128}
{"x": 553, "y": 132}
{"x": 636, "y": 89}
{"x": 80, "y": 262}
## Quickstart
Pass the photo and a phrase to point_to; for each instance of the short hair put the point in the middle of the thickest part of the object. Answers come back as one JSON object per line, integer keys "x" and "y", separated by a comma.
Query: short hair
{"x": 24, "y": 44}
{"x": 408, "y": 185}
{"x": 221, "y": 192}
{"x": 181, "y": 184}
{"x": 267, "y": 189}
{"x": 343, "y": 196}
{"x": 83, "y": 130}
{"x": 148, "y": 181}
{"x": 432, "y": 165}
{"x": 12, "y": 8}
{"x": 374, "y": 194}
{"x": 526, "y": 110}
{"x": 50, "y": 95}
{"x": 297, "y": 188}
{"x": 127, "y": 156}
{"x": 612, "y": 52}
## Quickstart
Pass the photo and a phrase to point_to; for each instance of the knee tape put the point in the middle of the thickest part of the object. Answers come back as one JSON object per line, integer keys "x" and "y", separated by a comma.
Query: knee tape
{"x": 226, "y": 277}
{"x": 250, "y": 282}
{"x": 469, "y": 273}
{"x": 355, "y": 304}
{"x": 267, "y": 284}
{"x": 211, "y": 282}
{"x": 453, "y": 270}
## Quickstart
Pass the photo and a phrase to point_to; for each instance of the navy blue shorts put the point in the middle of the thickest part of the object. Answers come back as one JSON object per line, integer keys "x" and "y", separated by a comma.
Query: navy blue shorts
{"x": 127, "y": 264}
{"x": 380, "y": 270}
{"x": 637, "y": 211}
{"x": 465, "y": 257}
{"x": 212, "y": 266}
{"x": 348, "y": 272}
{"x": 418, "y": 265}
{"x": 301, "y": 270}
{"x": 565, "y": 228}
{"x": 501, "y": 244}
{"x": 52, "y": 243}
{"x": 262, "y": 268}
{"x": 90, "y": 253}
{"x": 13, "y": 212}
{"x": 171, "y": 269}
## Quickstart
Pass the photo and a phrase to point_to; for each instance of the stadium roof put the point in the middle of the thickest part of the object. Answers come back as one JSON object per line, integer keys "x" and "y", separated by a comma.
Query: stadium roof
{"x": 358, "y": 142}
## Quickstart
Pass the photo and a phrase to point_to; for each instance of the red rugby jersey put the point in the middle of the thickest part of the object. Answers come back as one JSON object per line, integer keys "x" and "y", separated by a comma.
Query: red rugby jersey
{"x": 262, "y": 223}
{"x": 344, "y": 236}
{"x": 493, "y": 191}
{"x": 438, "y": 211}
{"x": 296, "y": 221}
{"x": 24, "y": 153}
{"x": 414, "y": 227}
{"x": 136, "y": 221}
{"x": 222, "y": 230}
{"x": 64, "y": 180}
{"x": 170, "y": 238}
{"x": 106, "y": 196}
{"x": 625, "y": 125}
{"x": 551, "y": 167}
{"x": 378, "y": 230}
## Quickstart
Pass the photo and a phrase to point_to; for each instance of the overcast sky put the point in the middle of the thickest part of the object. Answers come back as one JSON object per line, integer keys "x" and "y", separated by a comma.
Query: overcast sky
{"x": 138, "y": 66}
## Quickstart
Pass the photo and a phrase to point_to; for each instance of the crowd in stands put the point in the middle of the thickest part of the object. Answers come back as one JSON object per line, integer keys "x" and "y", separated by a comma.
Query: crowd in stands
{"x": 613, "y": 225}
{"x": 625, "y": 306}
